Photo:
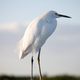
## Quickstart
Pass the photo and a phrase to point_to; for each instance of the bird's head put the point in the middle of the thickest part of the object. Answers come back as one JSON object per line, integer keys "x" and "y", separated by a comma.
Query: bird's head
{"x": 56, "y": 15}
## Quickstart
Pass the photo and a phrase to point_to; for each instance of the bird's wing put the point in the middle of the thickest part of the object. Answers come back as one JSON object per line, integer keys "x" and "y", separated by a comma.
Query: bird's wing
{"x": 26, "y": 43}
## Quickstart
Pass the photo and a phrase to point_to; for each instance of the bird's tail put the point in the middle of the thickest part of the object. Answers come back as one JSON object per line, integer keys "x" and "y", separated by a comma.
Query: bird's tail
{"x": 21, "y": 51}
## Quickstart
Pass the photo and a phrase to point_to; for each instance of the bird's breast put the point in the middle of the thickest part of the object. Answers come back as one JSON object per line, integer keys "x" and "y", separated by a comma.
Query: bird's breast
{"x": 46, "y": 29}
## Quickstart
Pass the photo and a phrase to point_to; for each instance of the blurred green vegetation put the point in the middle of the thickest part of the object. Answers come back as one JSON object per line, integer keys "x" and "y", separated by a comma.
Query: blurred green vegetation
{"x": 64, "y": 77}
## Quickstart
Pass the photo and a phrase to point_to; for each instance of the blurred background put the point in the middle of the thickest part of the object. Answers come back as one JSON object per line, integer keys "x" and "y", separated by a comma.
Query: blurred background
{"x": 61, "y": 53}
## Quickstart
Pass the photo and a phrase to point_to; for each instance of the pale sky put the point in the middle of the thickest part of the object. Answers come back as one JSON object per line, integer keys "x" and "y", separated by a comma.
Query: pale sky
{"x": 61, "y": 52}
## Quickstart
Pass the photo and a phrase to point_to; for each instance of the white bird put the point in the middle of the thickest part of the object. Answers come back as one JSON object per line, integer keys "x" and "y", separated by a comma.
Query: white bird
{"x": 36, "y": 34}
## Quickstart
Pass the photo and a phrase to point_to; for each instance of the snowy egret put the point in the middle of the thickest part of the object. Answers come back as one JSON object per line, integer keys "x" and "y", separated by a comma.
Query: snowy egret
{"x": 36, "y": 35}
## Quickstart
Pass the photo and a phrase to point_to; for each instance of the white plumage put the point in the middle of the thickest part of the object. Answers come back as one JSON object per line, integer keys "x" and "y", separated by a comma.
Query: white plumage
{"x": 38, "y": 32}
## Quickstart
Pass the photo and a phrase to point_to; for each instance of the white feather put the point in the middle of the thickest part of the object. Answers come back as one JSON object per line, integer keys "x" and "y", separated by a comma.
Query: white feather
{"x": 37, "y": 33}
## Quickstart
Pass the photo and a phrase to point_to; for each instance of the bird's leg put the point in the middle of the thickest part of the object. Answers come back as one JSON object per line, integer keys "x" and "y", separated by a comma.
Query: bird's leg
{"x": 32, "y": 68}
{"x": 39, "y": 64}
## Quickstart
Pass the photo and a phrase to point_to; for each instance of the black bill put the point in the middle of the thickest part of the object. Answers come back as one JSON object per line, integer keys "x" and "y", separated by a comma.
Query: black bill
{"x": 64, "y": 16}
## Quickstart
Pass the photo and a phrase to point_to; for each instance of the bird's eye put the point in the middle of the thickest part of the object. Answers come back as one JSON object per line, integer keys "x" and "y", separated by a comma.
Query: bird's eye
{"x": 56, "y": 13}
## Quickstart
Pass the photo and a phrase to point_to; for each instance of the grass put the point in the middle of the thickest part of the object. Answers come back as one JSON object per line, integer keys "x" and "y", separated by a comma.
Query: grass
{"x": 64, "y": 77}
